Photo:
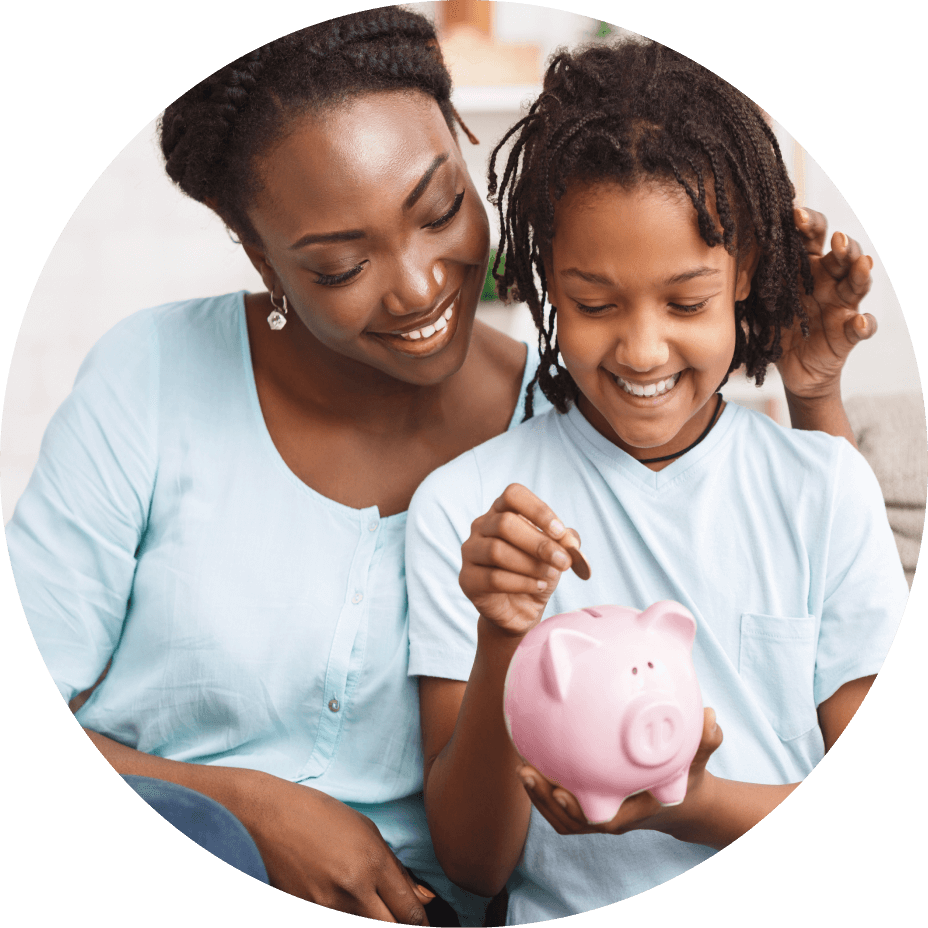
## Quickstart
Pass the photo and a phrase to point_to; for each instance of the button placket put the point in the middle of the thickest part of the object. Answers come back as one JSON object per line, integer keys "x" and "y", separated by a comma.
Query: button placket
{"x": 339, "y": 668}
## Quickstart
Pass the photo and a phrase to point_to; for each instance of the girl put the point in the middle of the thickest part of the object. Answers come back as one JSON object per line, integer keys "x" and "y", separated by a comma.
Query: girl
{"x": 218, "y": 513}
{"x": 647, "y": 200}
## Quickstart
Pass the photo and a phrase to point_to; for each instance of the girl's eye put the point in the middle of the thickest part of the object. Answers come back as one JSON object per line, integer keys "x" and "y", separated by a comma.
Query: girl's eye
{"x": 333, "y": 280}
{"x": 444, "y": 220}
{"x": 689, "y": 308}
{"x": 592, "y": 310}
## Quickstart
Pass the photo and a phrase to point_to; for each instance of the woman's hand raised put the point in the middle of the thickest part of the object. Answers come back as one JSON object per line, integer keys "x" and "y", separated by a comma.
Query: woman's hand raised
{"x": 811, "y": 367}
{"x": 513, "y": 560}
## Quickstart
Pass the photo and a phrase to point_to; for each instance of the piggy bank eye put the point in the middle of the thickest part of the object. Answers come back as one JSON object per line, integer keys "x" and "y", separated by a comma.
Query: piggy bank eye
{"x": 650, "y": 665}
{"x": 634, "y": 670}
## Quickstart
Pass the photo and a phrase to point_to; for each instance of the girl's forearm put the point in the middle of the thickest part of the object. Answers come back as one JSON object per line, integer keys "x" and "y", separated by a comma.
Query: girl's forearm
{"x": 726, "y": 810}
{"x": 478, "y": 810}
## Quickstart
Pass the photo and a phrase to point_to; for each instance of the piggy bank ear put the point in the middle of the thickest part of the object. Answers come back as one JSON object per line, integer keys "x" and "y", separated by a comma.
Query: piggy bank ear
{"x": 670, "y": 618}
{"x": 563, "y": 647}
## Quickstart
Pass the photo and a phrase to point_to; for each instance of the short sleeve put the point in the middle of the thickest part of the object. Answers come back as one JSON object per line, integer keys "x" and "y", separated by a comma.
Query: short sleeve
{"x": 76, "y": 530}
{"x": 442, "y": 620}
{"x": 865, "y": 588}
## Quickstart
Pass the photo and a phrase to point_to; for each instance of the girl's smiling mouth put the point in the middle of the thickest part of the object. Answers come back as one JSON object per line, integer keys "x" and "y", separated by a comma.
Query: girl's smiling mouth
{"x": 655, "y": 388}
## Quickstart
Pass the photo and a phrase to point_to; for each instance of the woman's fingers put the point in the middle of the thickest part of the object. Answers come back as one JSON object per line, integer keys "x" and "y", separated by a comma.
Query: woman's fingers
{"x": 812, "y": 227}
{"x": 400, "y": 897}
{"x": 860, "y": 328}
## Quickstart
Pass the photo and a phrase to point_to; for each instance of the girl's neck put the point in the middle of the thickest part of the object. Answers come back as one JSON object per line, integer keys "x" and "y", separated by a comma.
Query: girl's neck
{"x": 697, "y": 429}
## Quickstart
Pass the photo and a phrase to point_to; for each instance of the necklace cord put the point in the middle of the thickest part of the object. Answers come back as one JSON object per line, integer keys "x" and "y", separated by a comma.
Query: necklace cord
{"x": 705, "y": 432}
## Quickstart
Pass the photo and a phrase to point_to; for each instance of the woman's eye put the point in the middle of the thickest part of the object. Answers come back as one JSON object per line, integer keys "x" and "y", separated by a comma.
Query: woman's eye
{"x": 333, "y": 280}
{"x": 444, "y": 220}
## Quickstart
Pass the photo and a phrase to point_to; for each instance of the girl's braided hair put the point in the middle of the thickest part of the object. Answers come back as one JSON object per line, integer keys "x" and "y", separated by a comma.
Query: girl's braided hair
{"x": 636, "y": 111}
{"x": 211, "y": 135}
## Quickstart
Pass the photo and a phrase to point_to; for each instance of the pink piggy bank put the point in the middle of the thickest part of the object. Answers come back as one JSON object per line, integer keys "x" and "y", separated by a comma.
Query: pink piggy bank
{"x": 605, "y": 702}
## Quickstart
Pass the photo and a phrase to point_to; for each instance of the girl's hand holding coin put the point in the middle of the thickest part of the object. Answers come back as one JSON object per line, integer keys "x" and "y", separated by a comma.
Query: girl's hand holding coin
{"x": 514, "y": 558}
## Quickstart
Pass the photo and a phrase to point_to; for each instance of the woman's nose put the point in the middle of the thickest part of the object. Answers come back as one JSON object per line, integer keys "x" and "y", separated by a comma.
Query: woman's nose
{"x": 643, "y": 343}
{"x": 417, "y": 287}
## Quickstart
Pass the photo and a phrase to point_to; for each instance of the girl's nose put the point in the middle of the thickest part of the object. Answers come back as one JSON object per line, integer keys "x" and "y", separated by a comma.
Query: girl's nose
{"x": 643, "y": 343}
{"x": 417, "y": 287}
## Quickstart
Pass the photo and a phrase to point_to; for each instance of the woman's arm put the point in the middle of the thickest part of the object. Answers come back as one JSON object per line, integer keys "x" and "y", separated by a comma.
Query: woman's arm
{"x": 811, "y": 367}
{"x": 312, "y": 845}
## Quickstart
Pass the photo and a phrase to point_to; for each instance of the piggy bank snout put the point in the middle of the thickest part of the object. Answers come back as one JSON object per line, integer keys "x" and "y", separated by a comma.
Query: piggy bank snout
{"x": 653, "y": 731}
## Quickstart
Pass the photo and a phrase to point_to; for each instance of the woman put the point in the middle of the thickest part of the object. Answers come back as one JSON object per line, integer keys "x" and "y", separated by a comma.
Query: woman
{"x": 219, "y": 509}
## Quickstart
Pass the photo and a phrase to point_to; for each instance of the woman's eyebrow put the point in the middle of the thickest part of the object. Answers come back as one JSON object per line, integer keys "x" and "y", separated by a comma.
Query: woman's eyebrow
{"x": 419, "y": 189}
{"x": 350, "y": 235}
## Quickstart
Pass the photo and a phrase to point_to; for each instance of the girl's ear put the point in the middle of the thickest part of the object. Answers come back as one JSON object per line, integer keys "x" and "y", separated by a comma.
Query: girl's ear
{"x": 745, "y": 269}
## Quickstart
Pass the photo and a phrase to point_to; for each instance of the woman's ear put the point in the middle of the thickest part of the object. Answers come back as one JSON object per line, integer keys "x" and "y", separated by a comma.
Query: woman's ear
{"x": 744, "y": 269}
{"x": 257, "y": 257}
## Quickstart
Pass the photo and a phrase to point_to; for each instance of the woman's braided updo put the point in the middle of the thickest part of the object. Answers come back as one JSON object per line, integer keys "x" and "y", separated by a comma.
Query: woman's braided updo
{"x": 211, "y": 135}
{"x": 634, "y": 112}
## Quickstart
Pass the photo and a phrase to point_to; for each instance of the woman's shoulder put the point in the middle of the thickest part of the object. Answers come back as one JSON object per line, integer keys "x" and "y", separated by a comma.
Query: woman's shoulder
{"x": 167, "y": 330}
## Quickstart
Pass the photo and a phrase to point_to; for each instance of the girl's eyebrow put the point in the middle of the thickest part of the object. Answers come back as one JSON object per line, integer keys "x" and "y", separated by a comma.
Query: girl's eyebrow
{"x": 681, "y": 278}
{"x": 350, "y": 235}
{"x": 702, "y": 271}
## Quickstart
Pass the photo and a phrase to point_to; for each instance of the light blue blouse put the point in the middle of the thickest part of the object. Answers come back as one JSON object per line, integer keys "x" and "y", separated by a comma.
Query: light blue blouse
{"x": 251, "y": 621}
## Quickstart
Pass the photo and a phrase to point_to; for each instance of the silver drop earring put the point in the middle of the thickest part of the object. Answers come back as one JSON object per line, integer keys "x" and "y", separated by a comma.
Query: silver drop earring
{"x": 278, "y": 317}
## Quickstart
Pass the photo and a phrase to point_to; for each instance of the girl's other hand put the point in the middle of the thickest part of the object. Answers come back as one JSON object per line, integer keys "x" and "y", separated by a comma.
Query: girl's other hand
{"x": 811, "y": 368}
{"x": 513, "y": 560}
{"x": 641, "y": 811}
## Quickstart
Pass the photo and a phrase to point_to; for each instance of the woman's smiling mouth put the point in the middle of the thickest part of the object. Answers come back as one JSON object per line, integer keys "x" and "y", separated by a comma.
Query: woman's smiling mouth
{"x": 427, "y": 339}
{"x": 429, "y": 330}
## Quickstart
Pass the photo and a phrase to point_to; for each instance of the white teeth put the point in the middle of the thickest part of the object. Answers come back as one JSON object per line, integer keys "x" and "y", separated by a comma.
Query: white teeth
{"x": 651, "y": 389}
{"x": 440, "y": 323}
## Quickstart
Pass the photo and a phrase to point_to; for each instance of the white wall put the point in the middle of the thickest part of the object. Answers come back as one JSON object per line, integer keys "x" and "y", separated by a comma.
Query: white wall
{"x": 135, "y": 241}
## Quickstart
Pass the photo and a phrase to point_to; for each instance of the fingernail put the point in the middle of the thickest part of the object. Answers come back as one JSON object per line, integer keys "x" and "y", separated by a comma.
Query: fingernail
{"x": 529, "y": 782}
{"x": 803, "y": 217}
{"x": 843, "y": 240}
{"x": 556, "y": 528}
{"x": 542, "y": 585}
{"x": 425, "y": 892}
{"x": 561, "y": 801}
{"x": 561, "y": 559}
{"x": 553, "y": 574}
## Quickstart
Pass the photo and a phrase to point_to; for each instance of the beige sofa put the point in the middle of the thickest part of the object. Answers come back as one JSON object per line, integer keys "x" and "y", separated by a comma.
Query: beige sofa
{"x": 891, "y": 435}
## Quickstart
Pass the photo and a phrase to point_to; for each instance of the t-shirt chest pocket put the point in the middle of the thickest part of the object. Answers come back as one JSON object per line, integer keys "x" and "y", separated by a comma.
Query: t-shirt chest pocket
{"x": 777, "y": 663}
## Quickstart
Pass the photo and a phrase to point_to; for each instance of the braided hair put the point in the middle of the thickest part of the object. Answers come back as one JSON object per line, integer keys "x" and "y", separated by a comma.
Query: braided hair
{"x": 636, "y": 111}
{"x": 211, "y": 136}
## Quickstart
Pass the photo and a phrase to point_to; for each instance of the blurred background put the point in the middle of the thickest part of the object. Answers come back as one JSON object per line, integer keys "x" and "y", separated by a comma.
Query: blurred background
{"x": 135, "y": 241}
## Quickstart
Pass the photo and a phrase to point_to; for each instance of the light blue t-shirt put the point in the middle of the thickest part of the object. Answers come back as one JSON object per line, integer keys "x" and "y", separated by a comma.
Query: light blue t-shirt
{"x": 251, "y": 621}
{"x": 776, "y": 540}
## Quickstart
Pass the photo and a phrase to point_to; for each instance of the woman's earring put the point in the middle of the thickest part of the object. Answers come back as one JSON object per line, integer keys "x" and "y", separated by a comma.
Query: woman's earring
{"x": 278, "y": 317}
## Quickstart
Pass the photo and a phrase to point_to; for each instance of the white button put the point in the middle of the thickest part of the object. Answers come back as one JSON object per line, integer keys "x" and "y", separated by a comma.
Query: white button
{"x": 333, "y": 704}
{"x": 372, "y": 525}
{"x": 358, "y": 596}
